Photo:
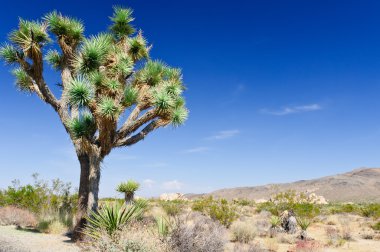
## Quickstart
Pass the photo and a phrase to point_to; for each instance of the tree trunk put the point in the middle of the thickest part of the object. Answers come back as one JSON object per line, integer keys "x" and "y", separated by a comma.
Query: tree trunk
{"x": 129, "y": 197}
{"x": 88, "y": 191}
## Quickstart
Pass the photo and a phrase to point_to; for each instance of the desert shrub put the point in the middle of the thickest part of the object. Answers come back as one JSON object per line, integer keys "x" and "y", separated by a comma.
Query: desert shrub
{"x": 11, "y": 215}
{"x": 286, "y": 238}
{"x": 112, "y": 217}
{"x": 308, "y": 246}
{"x": 367, "y": 235}
{"x": 219, "y": 210}
{"x": 41, "y": 197}
{"x": 43, "y": 226}
{"x": 333, "y": 237}
{"x": 308, "y": 210}
{"x": 376, "y": 226}
{"x": 332, "y": 233}
{"x": 370, "y": 210}
{"x": 243, "y": 202}
{"x": 268, "y": 207}
{"x": 52, "y": 227}
{"x": 300, "y": 209}
{"x": 243, "y": 231}
{"x": 202, "y": 205}
{"x": 253, "y": 247}
{"x": 346, "y": 229}
{"x": 223, "y": 212}
{"x": 134, "y": 237}
{"x": 172, "y": 208}
{"x": 197, "y": 233}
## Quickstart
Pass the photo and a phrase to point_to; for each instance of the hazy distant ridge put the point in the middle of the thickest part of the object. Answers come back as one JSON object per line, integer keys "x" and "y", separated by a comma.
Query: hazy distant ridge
{"x": 357, "y": 186}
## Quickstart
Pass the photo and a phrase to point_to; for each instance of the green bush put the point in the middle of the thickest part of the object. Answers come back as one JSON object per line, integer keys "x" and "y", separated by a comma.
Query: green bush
{"x": 41, "y": 197}
{"x": 219, "y": 210}
{"x": 173, "y": 208}
{"x": 300, "y": 209}
{"x": 370, "y": 210}
{"x": 376, "y": 226}
{"x": 243, "y": 202}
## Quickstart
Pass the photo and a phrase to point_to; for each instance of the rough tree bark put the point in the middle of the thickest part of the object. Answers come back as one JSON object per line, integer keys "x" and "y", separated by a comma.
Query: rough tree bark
{"x": 88, "y": 190}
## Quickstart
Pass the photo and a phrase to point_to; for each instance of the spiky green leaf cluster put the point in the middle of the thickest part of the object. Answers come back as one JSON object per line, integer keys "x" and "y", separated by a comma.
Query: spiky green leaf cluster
{"x": 83, "y": 126}
{"x": 111, "y": 218}
{"x": 130, "y": 96}
{"x": 54, "y": 58}
{"x": 179, "y": 116}
{"x": 30, "y": 36}
{"x": 93, "y": 54}
{"x": 108, "y": 108}
{"x": 151, "y": 73}
{"x": 23, "y": 81}
{"x": 138, "y": 48}
{"x": 79, "y": 92}
{"x": 121, "y": 19}
{"x": 9, "y": 53}
{"x": 113, "y": 86}
{"x": 130, "y": 186}
{"x": 162, "y": 100}
{"x": 97, "y": 78}
{"x": 124, "y": 65}
{"x": 71, "y": 28}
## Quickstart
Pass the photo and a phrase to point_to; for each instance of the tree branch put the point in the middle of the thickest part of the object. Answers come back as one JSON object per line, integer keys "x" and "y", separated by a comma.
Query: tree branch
{"x": 132, "y": 124}
{"x": 43, "y": 90}
{"x": 141, "y": 135}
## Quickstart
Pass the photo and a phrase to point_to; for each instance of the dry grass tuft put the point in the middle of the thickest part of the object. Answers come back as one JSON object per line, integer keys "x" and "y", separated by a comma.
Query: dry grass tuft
{"x": 243, "y": 231}
{"x": 197, "y": 233}
{"x": 11, "y": 215}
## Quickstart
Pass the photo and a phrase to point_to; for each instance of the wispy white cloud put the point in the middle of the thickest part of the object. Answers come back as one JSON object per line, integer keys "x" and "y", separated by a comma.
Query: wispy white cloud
{"x": 148, "y": 183}
{"x": 172, "y": 185}
{"x": 293, "y": 110}
{"x": 200, "y": 149}
{"x": 224, "y": 134}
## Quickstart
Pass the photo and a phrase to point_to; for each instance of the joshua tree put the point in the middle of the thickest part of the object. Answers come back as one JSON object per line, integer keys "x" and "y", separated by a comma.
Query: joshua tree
{"x": 128, "y": 188}
{"x": 106, "y": 78}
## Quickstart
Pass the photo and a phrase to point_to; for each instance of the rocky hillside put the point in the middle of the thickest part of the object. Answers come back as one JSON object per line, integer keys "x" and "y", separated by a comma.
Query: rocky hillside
{"x": 361, "y": 185}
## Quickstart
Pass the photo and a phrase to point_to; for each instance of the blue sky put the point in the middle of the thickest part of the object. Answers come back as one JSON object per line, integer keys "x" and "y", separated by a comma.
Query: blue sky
{"x": 278, "y": 91}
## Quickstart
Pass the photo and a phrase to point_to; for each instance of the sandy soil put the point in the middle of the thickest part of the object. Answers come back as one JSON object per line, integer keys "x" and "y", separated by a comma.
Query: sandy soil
{"x": 13, "y": 240}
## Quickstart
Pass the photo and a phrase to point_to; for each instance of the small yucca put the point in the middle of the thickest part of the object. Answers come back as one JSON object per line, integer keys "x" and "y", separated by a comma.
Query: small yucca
{"x": 128, "y": 188}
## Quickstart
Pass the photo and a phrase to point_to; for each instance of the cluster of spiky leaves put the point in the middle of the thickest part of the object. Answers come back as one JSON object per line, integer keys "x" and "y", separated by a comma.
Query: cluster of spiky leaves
{"x": 83, "y": 126}
{"x": 130, "y": 186}
{"x": 111, "y": 71}
{"x": 69, "y": 28}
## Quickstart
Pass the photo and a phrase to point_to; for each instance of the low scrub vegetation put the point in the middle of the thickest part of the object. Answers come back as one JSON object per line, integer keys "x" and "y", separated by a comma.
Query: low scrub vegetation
{"x": 204, "y": 224}
{"x": 46, "y": 206}
{"x": 11, "y": 215}
{"x": 219, "y": 210}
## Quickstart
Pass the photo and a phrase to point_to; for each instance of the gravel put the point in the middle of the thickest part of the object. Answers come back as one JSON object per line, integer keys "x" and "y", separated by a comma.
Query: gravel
{"x": 13, "y": 240}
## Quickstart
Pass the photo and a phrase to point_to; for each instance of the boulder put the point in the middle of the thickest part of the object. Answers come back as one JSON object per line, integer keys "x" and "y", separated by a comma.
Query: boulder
{"x": 172, "y": 196}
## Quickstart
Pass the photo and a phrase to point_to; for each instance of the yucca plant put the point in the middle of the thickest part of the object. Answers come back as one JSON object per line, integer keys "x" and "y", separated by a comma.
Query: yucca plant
{"x": 112, "y": 217}
{"x": 304, "y": 224}
{"x": 128, "y": 188}
{"x": 162, "y": 226}
{"x": 104, "y": 78}
{"x": 275, "y": 222}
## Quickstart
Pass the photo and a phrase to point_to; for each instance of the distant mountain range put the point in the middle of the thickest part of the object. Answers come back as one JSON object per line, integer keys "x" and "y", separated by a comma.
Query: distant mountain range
{"x": 360, "y": 185}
